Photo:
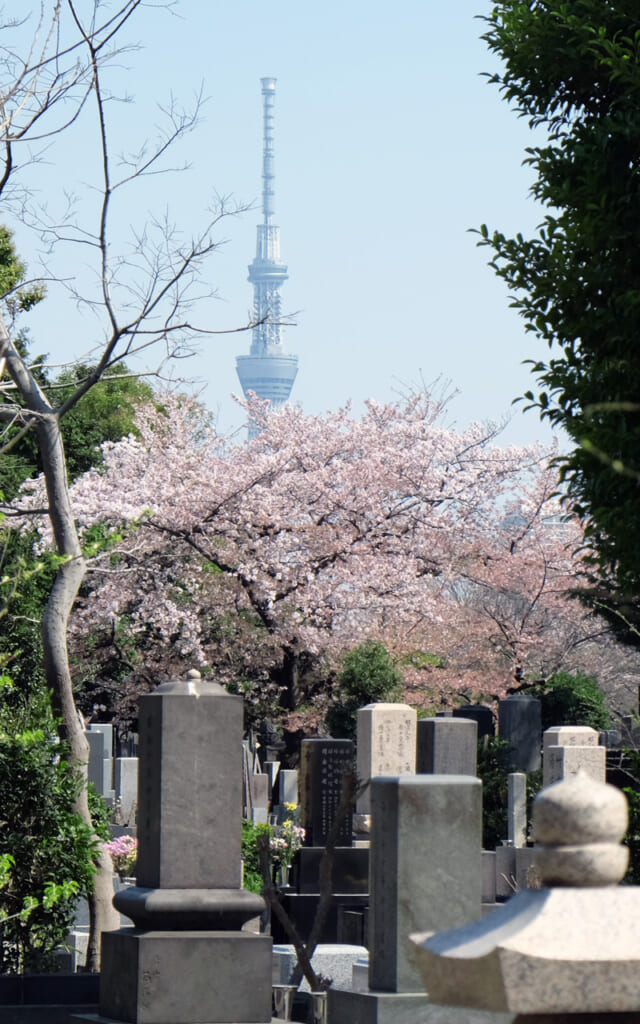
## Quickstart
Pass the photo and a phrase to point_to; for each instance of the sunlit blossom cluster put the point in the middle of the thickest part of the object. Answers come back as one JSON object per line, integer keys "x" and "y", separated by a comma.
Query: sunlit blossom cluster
{"x": 332, "y": 529}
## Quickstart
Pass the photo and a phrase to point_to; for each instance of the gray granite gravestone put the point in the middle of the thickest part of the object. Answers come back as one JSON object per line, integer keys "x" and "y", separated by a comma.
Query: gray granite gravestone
{"x": 568, "y": 749}
{"x": 288, "y": 786}
{"x": 520, "y": 724}
{"x": 425, "y": 865}
{"x": 186, "y": 960}
{"x": 446, "y": 746}
{"x": 100, "y": 768}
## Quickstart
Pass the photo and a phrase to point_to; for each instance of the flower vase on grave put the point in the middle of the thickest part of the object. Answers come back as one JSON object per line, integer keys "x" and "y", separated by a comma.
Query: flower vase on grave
{"x": 319, "y": 1007}
{"x": 283, "y": 1001}
{"x": 282, "y": 873}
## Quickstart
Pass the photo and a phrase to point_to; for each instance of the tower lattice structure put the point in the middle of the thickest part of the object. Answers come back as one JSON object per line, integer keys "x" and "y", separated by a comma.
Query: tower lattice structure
{"x": 267, "y": 371}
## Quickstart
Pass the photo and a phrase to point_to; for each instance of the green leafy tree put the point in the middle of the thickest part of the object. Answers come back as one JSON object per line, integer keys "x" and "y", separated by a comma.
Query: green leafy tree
{"x": 105, "y": 413}
{"x": 493, "y": 769}
{"x": 46, "y": 850}
{"x": 251, "y": 874}
{"x": 572, "y": 68}
{"x": 570, "y": 699}
{"x": 368, "y": 676}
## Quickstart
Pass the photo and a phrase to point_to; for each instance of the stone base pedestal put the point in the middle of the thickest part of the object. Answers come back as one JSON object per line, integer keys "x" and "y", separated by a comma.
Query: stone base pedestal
{"x": 166, "y": 977}
{"x": 349, "y": 873}
{"x": 301, "y": 908}
{"x": 403, "y": 1008}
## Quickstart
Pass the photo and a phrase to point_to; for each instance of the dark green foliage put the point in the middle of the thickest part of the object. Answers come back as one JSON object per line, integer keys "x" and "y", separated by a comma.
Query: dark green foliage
{"x": 252, "y": 877}
{"x": 572, "y": 67}
{"x": 105, "y": 413}
{"x": 570, "y": 699}
{"x": 25, "y": 584}
{"x": 494, "y": 769}
{"x": 101, "y": 813}
{"x": 45, "y": 849}
{"x": 368, "y": 675}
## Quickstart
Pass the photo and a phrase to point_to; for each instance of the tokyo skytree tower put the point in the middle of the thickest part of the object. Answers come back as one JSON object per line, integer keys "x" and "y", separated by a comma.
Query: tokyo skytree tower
{"x": 267, "y": 371}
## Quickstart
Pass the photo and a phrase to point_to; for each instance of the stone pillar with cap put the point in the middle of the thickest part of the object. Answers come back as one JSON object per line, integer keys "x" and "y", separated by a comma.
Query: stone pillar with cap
{"x": 186, "y": 959}
{"x": 567, "y": 952}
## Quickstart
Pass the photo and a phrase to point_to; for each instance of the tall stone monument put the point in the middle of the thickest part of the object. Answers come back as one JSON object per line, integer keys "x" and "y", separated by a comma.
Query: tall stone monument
{"x": 386, "y": 745}
{"x": 425, "y": 866}
{"x": 520, "y": 724}
{"x": 323, "y": 763}
{"x": 186, "y": 960}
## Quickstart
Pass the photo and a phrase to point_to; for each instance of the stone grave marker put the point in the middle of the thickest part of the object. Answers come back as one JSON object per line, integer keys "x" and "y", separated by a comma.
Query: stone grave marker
{"x": 125, "y": 770}
{"x": 323, "y": 763}
{"x": 520, "y": 723}
{"x": 447, "y": 746}
{"x": 100, "y": 767}
{"x": 481, "y": 714}
{"x": 187, "y": 959}
{"x": 517, "y": 809}
{"x": 386, "y": 745}
{"x": 425, "y": 866}
{"x": 570, "y": 749}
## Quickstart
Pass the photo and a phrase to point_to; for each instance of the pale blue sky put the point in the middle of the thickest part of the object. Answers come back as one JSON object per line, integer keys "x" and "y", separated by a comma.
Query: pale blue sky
{"x": 389, "y": 147}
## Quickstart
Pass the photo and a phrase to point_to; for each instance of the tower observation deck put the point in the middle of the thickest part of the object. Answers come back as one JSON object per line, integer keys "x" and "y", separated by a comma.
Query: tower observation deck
{"x": 267, "y": 371}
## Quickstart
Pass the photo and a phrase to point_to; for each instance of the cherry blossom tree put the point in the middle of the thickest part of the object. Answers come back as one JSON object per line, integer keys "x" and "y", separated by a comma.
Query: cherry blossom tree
{"x": 331, "y": 530}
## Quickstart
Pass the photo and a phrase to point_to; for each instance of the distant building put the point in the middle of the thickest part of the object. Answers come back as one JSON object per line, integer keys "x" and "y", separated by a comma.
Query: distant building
{"x": 267, "y": 371}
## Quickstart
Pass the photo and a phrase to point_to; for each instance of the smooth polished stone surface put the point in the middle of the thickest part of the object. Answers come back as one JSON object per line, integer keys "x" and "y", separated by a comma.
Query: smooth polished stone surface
{"x": 190, "y": 787}
{"x": 178, "y": 909}
{"x": 520, "y": 724}
{"x": 323, "y": 763}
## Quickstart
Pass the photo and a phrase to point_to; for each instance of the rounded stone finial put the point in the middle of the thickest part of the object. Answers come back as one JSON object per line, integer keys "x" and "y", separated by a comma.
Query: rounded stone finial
{"x": 578, "y": 824}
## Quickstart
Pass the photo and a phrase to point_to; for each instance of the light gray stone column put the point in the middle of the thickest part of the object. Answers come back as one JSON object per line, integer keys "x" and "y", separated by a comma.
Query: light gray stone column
{"x": 425, "y": 866}
{"x": 386, "y": 745}
{"x": 517, "y": 809}
{"x": 125, "y": 770}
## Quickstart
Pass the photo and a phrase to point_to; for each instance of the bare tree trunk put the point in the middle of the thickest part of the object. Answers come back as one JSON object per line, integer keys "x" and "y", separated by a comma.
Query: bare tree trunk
{"x": 102, "y": 915}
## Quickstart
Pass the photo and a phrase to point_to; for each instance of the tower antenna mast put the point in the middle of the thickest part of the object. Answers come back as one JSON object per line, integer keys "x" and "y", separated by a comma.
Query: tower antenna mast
{"x": 267, "y": 371}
